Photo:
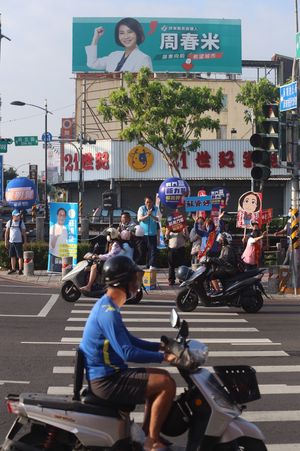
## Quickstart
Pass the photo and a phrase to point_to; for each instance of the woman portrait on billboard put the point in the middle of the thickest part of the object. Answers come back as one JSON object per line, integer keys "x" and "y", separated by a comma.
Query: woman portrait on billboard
{"x": 129, "y": 34}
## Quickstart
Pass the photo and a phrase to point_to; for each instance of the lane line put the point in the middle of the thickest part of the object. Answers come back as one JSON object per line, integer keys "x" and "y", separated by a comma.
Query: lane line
{"x": 169, "y": 329}
{"x": 150, "y": 312}
{"x": 22, "y": 293}
{"x": 46, "y": 309}
{"x": 171, "y": 369}
{"x": 2, "y": 382}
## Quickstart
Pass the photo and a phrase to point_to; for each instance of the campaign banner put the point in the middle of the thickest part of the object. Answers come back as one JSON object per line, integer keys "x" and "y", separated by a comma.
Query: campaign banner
{"x": 176, "y": 222}
{"x": 161, "y": 244}
{"x": 249, "y": 209}
{"x": 161, "y": 44}
{"x": 266, "y": 216}
{"x": 63, "y": 234}
{"x": 219, "y": 198}
{"x": 195, "y": 203}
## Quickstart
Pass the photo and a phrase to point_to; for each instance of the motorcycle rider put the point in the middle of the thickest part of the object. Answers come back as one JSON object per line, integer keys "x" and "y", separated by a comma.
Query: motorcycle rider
{"x": 225, "y": 264}
{"x": 114, "y": 248}
{"x": 107, "y": 345}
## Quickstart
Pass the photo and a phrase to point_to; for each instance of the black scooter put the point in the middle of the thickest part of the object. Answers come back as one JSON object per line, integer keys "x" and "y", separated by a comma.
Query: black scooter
{"x": 243, "y": 290}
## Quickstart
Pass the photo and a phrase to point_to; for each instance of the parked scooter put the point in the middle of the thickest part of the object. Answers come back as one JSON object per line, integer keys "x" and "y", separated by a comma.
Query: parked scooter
{"x": 78, "y": 277}
{"x": 209, "y": 410}
{"x": 243, "y": 290}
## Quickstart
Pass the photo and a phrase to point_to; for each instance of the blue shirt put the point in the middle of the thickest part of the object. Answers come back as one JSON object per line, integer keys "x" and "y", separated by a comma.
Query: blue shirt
{"x": 107, "y": 344}
{"x": 149, "y": 225}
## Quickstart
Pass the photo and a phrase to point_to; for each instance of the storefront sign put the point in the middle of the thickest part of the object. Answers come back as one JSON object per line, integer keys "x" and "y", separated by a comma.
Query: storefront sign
{"x": 162, "y": 45}
{"x": 140, "y": 158}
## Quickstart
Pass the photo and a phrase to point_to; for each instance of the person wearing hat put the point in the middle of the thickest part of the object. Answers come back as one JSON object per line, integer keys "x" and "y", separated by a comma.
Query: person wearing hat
{"x": 15, "y": 236}
{"x": 253, "y": 250}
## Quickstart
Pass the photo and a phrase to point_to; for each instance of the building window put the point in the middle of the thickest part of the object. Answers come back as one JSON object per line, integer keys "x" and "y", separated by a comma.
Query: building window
{"x": 225, "y": 102}
{"x": 222, "y": 132}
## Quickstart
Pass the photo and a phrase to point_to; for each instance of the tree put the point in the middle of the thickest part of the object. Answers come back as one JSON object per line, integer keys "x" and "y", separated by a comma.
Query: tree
{"x": 9, "y": 174}
{"x": 168, "y": 116}
{"x": 254, "y": 96}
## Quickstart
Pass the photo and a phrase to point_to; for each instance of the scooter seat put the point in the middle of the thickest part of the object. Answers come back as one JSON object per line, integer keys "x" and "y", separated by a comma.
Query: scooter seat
{"x": 66, "y": 403}
{"x": 243, "y": 275}
{"x": 90, "y": 398}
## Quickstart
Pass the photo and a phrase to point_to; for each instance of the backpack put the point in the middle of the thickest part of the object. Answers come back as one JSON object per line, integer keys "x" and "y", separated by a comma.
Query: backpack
{"x": 20, "y": 227}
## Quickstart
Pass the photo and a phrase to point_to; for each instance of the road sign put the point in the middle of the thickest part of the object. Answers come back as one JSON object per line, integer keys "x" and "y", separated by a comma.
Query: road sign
{"x": 297, "y": 45}
{"x": 3, "y": 147}
{"x": 288, "y": 96}
{"x": 47, "y": 137}
{"x": 26, "y": 141}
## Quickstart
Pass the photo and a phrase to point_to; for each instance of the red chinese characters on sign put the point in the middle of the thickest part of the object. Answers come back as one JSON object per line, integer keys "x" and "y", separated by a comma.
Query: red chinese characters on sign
{"x": 203, "y": 159}
{"x": 247, "y": 163}
{"x": 226, "y": 159}
{"x": 266, "y": 216}
{"x": 89, "y": 161}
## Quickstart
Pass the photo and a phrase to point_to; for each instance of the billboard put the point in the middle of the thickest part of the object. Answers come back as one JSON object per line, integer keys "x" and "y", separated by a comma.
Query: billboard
{"x": 1, "y": 177}
{"x": 163, "y": 45}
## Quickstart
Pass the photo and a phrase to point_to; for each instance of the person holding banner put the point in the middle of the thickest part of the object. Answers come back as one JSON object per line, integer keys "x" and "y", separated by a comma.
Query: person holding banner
{"x": 210, "y": 232}
{"x": 253, "y": 251}
{"x": 129, "y": 34}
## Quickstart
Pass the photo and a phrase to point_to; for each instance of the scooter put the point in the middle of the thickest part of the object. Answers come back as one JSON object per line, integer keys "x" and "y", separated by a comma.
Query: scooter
{"x": 78, "y": 277}
{"x": 209, "y": 410}
{"x": 243, "y": 290}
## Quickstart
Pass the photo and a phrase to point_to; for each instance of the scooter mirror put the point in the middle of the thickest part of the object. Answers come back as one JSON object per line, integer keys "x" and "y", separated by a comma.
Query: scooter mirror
{"x": 174, "y": 319}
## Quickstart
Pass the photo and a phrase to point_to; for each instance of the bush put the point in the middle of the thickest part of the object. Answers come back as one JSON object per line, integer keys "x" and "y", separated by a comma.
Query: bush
{"x": 40, "y": 250}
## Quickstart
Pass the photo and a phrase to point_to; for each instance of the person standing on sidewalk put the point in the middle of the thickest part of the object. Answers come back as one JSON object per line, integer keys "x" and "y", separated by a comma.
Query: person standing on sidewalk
{"x": 15, "y": 236}
{"x": 176, "y": 251}
{"x": 148, "y": 219}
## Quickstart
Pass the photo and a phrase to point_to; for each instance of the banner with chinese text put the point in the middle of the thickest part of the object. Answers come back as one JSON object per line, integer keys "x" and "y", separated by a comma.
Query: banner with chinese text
{"x": 162, "y": 44}
{"x": 249, "y": 209}
{"x": 63, "y": 234}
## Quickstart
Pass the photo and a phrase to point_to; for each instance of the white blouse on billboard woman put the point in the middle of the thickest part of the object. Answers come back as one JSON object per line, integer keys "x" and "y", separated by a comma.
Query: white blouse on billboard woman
{"x": 133, "y": 63}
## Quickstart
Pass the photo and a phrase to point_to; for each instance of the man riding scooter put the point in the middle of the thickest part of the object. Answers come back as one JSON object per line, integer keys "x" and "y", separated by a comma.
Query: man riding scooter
{"x": 225, "y": 264}
{"x": 107, "y": 345}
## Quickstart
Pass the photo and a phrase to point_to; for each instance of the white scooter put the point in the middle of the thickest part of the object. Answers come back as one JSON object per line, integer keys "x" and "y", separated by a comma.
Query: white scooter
{"x": 78, "y": 277}
{"x": 209, "y": 410}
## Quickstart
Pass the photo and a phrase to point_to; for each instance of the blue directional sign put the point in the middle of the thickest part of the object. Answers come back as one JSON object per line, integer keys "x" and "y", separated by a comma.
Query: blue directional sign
{"x": 47, "y": 137}
{"x": 288, "y": 96}
{"x": 1, "y": 177}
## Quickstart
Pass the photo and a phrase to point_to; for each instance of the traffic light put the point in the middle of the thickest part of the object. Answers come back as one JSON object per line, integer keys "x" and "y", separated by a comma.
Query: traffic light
{"x": 265, "y": 143}
{"x": 108, "y": 200}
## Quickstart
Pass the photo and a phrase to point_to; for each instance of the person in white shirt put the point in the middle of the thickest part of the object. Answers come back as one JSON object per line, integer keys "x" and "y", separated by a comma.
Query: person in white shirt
{"x": 58, "y": 237}
{"x": 15, "y": 236}
{"x": 128, "y": 34}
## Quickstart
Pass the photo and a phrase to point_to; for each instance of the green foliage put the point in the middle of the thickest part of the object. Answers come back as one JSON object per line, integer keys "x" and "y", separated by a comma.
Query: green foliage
{"x": 254, "y": 96}
{"x": 168, "y": 116}
{"x": 40, "y": 250}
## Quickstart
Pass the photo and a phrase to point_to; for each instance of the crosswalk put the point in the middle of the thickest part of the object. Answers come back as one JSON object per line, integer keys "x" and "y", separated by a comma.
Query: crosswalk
{"x": 231, "y": 341}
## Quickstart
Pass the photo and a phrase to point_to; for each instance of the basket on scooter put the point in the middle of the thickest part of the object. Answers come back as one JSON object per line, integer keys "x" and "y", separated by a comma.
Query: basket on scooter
{"x": 240, "y": 382}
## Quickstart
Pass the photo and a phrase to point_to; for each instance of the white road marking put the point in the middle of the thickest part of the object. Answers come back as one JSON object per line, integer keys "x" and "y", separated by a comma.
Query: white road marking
{"x": 277, "y": 415}
{"x": 2, "y": 382}
{"x": 150, "y": 312}
{"x": 22, "y": 293}
{"x": 173, "y": 370}
{"x": 193, "y": 329}
{"x": 283, "y": 446}
{"x": 46, "y": 309}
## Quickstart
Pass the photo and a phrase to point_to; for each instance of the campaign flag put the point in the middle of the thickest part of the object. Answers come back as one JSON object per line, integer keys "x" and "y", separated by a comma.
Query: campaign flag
{"x": 176, "y": 222}
{"x": 63, "y": 234}
{"x": 266, "y": 216}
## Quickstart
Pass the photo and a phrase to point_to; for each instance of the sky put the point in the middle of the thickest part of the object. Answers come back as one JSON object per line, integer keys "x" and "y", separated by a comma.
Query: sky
{"x": 37, "y": 63}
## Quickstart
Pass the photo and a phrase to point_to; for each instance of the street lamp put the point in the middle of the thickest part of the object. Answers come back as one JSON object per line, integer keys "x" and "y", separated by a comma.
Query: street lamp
{"x": 45, "y": 109}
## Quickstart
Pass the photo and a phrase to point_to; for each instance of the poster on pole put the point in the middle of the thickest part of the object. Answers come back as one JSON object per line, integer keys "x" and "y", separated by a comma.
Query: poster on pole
{"x": 1, "y": 177}
{"x": 249, "y": 209}
{"x": 63, "y": 234}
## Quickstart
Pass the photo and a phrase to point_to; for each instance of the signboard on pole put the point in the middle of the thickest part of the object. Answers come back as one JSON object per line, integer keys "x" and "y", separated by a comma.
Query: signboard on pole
{"x": 249, "y": 209}
{"x": 298, "y": 45}
{"x": 194, "y": 203}
{"x": 288, "y": 96}
{"x": 26, "y": 140}
{"x": 33, "y": 172}
{"x": 162, "y": 45}
{"x": 63, "y": 234}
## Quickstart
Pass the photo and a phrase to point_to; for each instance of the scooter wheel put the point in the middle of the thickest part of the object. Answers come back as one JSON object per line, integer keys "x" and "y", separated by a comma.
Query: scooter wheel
{"x": 137, "y": 298}
{"x": 69, "y": 292}
{"x": 252, "y": 304}
{"x": 186, "y": 300}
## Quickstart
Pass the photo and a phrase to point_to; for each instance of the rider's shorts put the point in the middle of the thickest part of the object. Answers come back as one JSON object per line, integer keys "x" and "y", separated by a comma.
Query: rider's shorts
{"x": 124, "y": 387}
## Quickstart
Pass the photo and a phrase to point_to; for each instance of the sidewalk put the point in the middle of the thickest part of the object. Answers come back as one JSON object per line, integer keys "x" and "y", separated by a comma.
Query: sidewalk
{"x": 43, "y": 278}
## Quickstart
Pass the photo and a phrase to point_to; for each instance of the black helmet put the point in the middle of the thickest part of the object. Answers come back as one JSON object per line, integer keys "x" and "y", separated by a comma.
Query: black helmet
{"x": 119, "y": 271}
{"x": 184, "y": 273}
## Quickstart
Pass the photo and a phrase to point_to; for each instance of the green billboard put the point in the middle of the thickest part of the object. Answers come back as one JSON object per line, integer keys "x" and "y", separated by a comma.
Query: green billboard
{"x": 163, "y": 45}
